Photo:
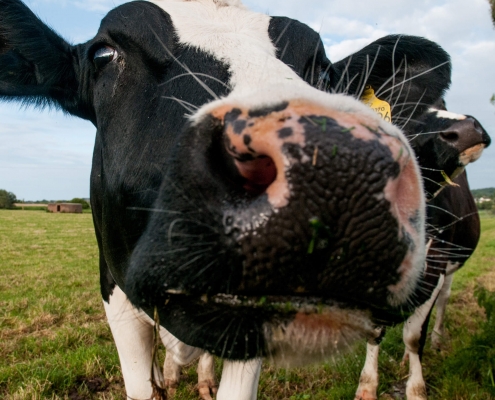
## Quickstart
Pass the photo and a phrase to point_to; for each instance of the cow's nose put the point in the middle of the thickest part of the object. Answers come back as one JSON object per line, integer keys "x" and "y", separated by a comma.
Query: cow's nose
{"x": 466, "y": 134}
{"x": 342, "y": 186}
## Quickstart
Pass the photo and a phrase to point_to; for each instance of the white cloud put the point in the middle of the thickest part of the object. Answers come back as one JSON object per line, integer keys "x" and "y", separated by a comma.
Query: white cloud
{"x": 98, "y": 5}
{"x": 44, "y": 155}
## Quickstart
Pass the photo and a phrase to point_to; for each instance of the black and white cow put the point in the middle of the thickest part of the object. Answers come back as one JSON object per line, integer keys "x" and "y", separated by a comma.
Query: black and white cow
{"x": 445, "y": 143}
{"x": 452, "y": 215}
{"x": 254, "y": 214}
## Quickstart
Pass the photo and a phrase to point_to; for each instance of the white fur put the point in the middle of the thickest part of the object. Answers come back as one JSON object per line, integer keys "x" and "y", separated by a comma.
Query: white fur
{"x": 368, "y": 381}
{"x": 234, "y": 35}
{"x": 239, "y": 380}
{"x": 447, "y": 114}
{"x": 441, "y": 305}
{"x": 416, "y": 388}
{"x": 133, "y": 335}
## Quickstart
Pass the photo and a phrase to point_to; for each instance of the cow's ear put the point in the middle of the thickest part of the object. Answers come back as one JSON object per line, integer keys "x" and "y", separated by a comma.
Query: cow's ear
{"x": 409, "y": 73}
{"x": 300, "y": 47}
{"x": 37, "y": 66}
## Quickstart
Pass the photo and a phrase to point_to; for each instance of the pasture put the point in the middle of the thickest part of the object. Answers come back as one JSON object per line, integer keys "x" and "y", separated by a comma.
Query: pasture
{"x": 55, "y": 342}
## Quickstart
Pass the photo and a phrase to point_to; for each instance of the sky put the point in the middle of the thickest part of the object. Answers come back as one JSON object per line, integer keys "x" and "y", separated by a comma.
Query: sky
{"x": 47, "y": 155}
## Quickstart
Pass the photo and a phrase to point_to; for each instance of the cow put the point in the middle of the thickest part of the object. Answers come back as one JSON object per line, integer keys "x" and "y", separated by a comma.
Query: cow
{"x": 445, "y": 143}
{"x": 246, "y": 203}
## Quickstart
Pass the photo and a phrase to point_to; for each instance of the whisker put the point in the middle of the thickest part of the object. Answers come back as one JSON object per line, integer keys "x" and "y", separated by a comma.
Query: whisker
{"x": 345, "y": 72}
{"x": 157, "y": 210}
{"x": 421, "y": 74}
{"x": 185, "y": 67}
{"x": 444, "y": 210}
{"x": 188, "y": 106}
{"x": 197, "y": 74}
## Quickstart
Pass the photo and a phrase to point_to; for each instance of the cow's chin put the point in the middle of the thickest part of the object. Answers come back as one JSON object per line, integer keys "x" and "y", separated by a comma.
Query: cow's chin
{"x": 472, "y": 154}
{"x": 286, "y": 330}
{"x": 313, "y": 330}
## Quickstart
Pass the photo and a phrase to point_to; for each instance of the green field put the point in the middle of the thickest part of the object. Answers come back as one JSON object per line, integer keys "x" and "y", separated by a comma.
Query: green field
{"x": 55, "y": 343}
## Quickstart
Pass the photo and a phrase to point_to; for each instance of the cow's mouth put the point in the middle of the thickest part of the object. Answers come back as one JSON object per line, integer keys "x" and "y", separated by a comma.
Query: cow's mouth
{"x": 471, "y": 154}
{"x": 287, "y": 329}
{"x": 288, "y": 305}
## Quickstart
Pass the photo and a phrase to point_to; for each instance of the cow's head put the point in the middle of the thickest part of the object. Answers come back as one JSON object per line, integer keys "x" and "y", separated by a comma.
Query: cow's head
{"x": 258, "y": 214}
{"x": 445, "y": 143}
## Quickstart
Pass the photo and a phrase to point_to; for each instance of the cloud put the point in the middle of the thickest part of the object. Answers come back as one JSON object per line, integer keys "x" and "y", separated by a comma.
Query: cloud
{"x": 88, "y": 5}
{"x": 98, "y": 5}
{"x": 49, "y": 153}
{"x": 44, "y": 155}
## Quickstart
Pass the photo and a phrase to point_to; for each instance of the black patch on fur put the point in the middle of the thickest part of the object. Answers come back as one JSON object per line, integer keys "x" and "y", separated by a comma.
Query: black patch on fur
{"x": 415, "y": 221}
{"x": 263, "y": 112}
{"x": 239, "y": 126}
{"x": 232, "y": 116}
{"x": 285, "y": 133}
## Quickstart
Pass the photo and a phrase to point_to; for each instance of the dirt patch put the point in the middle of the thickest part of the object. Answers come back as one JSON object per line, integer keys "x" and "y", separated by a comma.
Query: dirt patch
{"x": 87, "y": 388}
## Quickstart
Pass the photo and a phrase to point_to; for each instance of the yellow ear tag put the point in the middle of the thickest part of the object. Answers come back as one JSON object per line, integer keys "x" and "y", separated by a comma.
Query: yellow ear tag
{"x": 379, "y": 106}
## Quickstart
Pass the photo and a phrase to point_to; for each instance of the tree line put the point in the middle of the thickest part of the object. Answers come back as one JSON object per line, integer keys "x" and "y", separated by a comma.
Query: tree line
{"x": 8, "y": 200}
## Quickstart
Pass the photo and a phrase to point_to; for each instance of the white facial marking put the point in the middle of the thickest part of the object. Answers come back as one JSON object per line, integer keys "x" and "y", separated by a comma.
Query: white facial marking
{"x": 447, "y": 114}
{"x": 234, "y": 35}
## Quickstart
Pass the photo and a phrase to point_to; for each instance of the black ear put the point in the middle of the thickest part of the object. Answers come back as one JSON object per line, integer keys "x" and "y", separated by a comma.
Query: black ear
{"x": 300, "y": 47}
{"x": 36, "y": 65}
{"x": 408, "y": 72}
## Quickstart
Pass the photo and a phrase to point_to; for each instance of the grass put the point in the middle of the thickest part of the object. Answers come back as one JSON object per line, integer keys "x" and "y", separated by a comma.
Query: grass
{"x": 55, "y": 343}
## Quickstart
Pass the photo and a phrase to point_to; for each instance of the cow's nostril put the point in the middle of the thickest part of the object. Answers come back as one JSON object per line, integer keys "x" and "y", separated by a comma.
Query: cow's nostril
{"x": 259, "y": 173}
{"x": 477, "y": 125}
{"x": 451, "y": 137}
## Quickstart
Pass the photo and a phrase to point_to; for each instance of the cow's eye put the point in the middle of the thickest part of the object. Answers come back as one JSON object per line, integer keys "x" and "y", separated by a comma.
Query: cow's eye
{"x": 104, "y": 55}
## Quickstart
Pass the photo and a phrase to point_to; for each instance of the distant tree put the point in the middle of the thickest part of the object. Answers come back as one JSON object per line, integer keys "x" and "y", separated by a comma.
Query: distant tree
{"x": 486, "y": 205}
{"x": 84, "y": 203}
{"x": 486, "y": 192}
{"x": 7, "y": 199}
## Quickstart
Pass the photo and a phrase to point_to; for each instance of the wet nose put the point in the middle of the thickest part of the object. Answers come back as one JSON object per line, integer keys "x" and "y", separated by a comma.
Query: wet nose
{"x": 466, "y": 134}
{"x": 343, "y": 185}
